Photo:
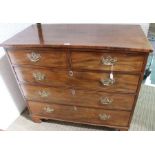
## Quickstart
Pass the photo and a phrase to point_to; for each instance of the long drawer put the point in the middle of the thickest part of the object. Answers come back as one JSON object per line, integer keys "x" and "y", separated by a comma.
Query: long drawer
{"x": 47, "y": 58}
{"x": 104, "y": 60}
{"x": 78, "y": 97}
{"x": 80, "y": 114}
{"x": 82, "y": 80}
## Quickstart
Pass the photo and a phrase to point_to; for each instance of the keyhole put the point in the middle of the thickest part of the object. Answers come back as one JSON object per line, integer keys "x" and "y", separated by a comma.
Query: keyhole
{"x": 73, "y": 92}
{"x": 70, "y": 73}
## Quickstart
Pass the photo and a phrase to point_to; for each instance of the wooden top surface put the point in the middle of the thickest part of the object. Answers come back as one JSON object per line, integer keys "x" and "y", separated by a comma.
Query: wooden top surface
{"x": 96, "y": 36}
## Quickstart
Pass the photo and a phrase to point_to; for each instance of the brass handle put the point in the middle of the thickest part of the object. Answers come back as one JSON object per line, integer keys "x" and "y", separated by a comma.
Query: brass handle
{"x": 106, "y": 100}
{"x": 104, "y": 117}
{"x": 33, "y": 57}
{"x": 108, "y": 61}
{"x": 39, "y": 76}
{"x": 43, "y": 93}
{"x": 107, "y": 82}
{"x": 48, "y": 109}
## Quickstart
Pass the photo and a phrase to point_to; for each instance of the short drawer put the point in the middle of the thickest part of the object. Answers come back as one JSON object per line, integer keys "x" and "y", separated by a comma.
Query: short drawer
{"x": 104, "y": 61}
{"x": 78, "y": 97}
{"x": 43, "y": 76}
{"x": 80, "y": 114}
{"x": 48, "y": 58}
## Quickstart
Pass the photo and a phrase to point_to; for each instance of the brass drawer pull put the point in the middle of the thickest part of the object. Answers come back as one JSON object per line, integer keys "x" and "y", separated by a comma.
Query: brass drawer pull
{"x": 48, "y": 109}
{"x": 39, "y": 76}
{"x": 107, "y": 82}
{"x": 104, "y": 117}
{"x": 43, "y": 93}
{"x": 108, "y": 61}
{"x": 106, "y": 100}
{"x": 33, "y": 57}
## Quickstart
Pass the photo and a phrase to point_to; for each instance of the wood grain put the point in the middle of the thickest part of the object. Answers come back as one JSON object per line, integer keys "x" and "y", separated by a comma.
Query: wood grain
{"x": 92, "y": 81}
{"x": 78, "y": 97}
{"x": 81, "y": 80}
{"x": 93, "y": 61}
{"x": 48, "y": 58}
{"x": 92, "y": 36}
{"x": 52, "y": 77}
{"x": 81, "y": 114}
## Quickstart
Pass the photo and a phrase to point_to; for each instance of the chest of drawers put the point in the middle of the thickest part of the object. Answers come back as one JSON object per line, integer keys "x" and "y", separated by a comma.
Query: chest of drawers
{"x": 83, "y": 73}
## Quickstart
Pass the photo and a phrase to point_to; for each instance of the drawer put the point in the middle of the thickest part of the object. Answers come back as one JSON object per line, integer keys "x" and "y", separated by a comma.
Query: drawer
{"x": 80, "y": 80}
{"x": 80, "y": 114}
{"x": 42, "y": 76}
{"x": 104, "y": 61}
{"x": 124, "y": 83}
{"x": 78, "y": 97}
{"x": 48, "y": 58}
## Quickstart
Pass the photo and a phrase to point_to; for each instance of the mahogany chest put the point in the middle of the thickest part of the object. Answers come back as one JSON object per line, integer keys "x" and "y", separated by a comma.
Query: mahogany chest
{"x": 81, "y": 73}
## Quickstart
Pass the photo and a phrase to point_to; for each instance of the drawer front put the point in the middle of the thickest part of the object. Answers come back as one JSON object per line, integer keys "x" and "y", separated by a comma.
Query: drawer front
{"x": 78, "y": 97}
{"x": 104, "y": 61}
{"x": 81, "y": 80}
{"x": 102, "y": 82}
{"x": 51, "y": 58}
{"x": 42, "y": 76}
{"x": 80, "y": 114}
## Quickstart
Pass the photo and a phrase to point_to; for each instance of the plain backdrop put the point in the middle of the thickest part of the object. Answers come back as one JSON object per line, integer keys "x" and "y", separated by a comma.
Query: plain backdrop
{"x": 11, "y": 100}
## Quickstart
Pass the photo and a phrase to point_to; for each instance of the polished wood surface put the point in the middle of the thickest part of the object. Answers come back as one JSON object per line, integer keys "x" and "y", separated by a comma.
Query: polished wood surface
{"x": 81, "y": 80}
{"x": 78, "y": 97}
{"x": 92, "y": 81}
{"x": 83, "y": 73}
{"x": 53, "y": 58}
{"x": 98, "y": 36}
{"x": 52, "y": 77}
{"x": 79, "y": 114}
{"x": 93, "y": 61}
